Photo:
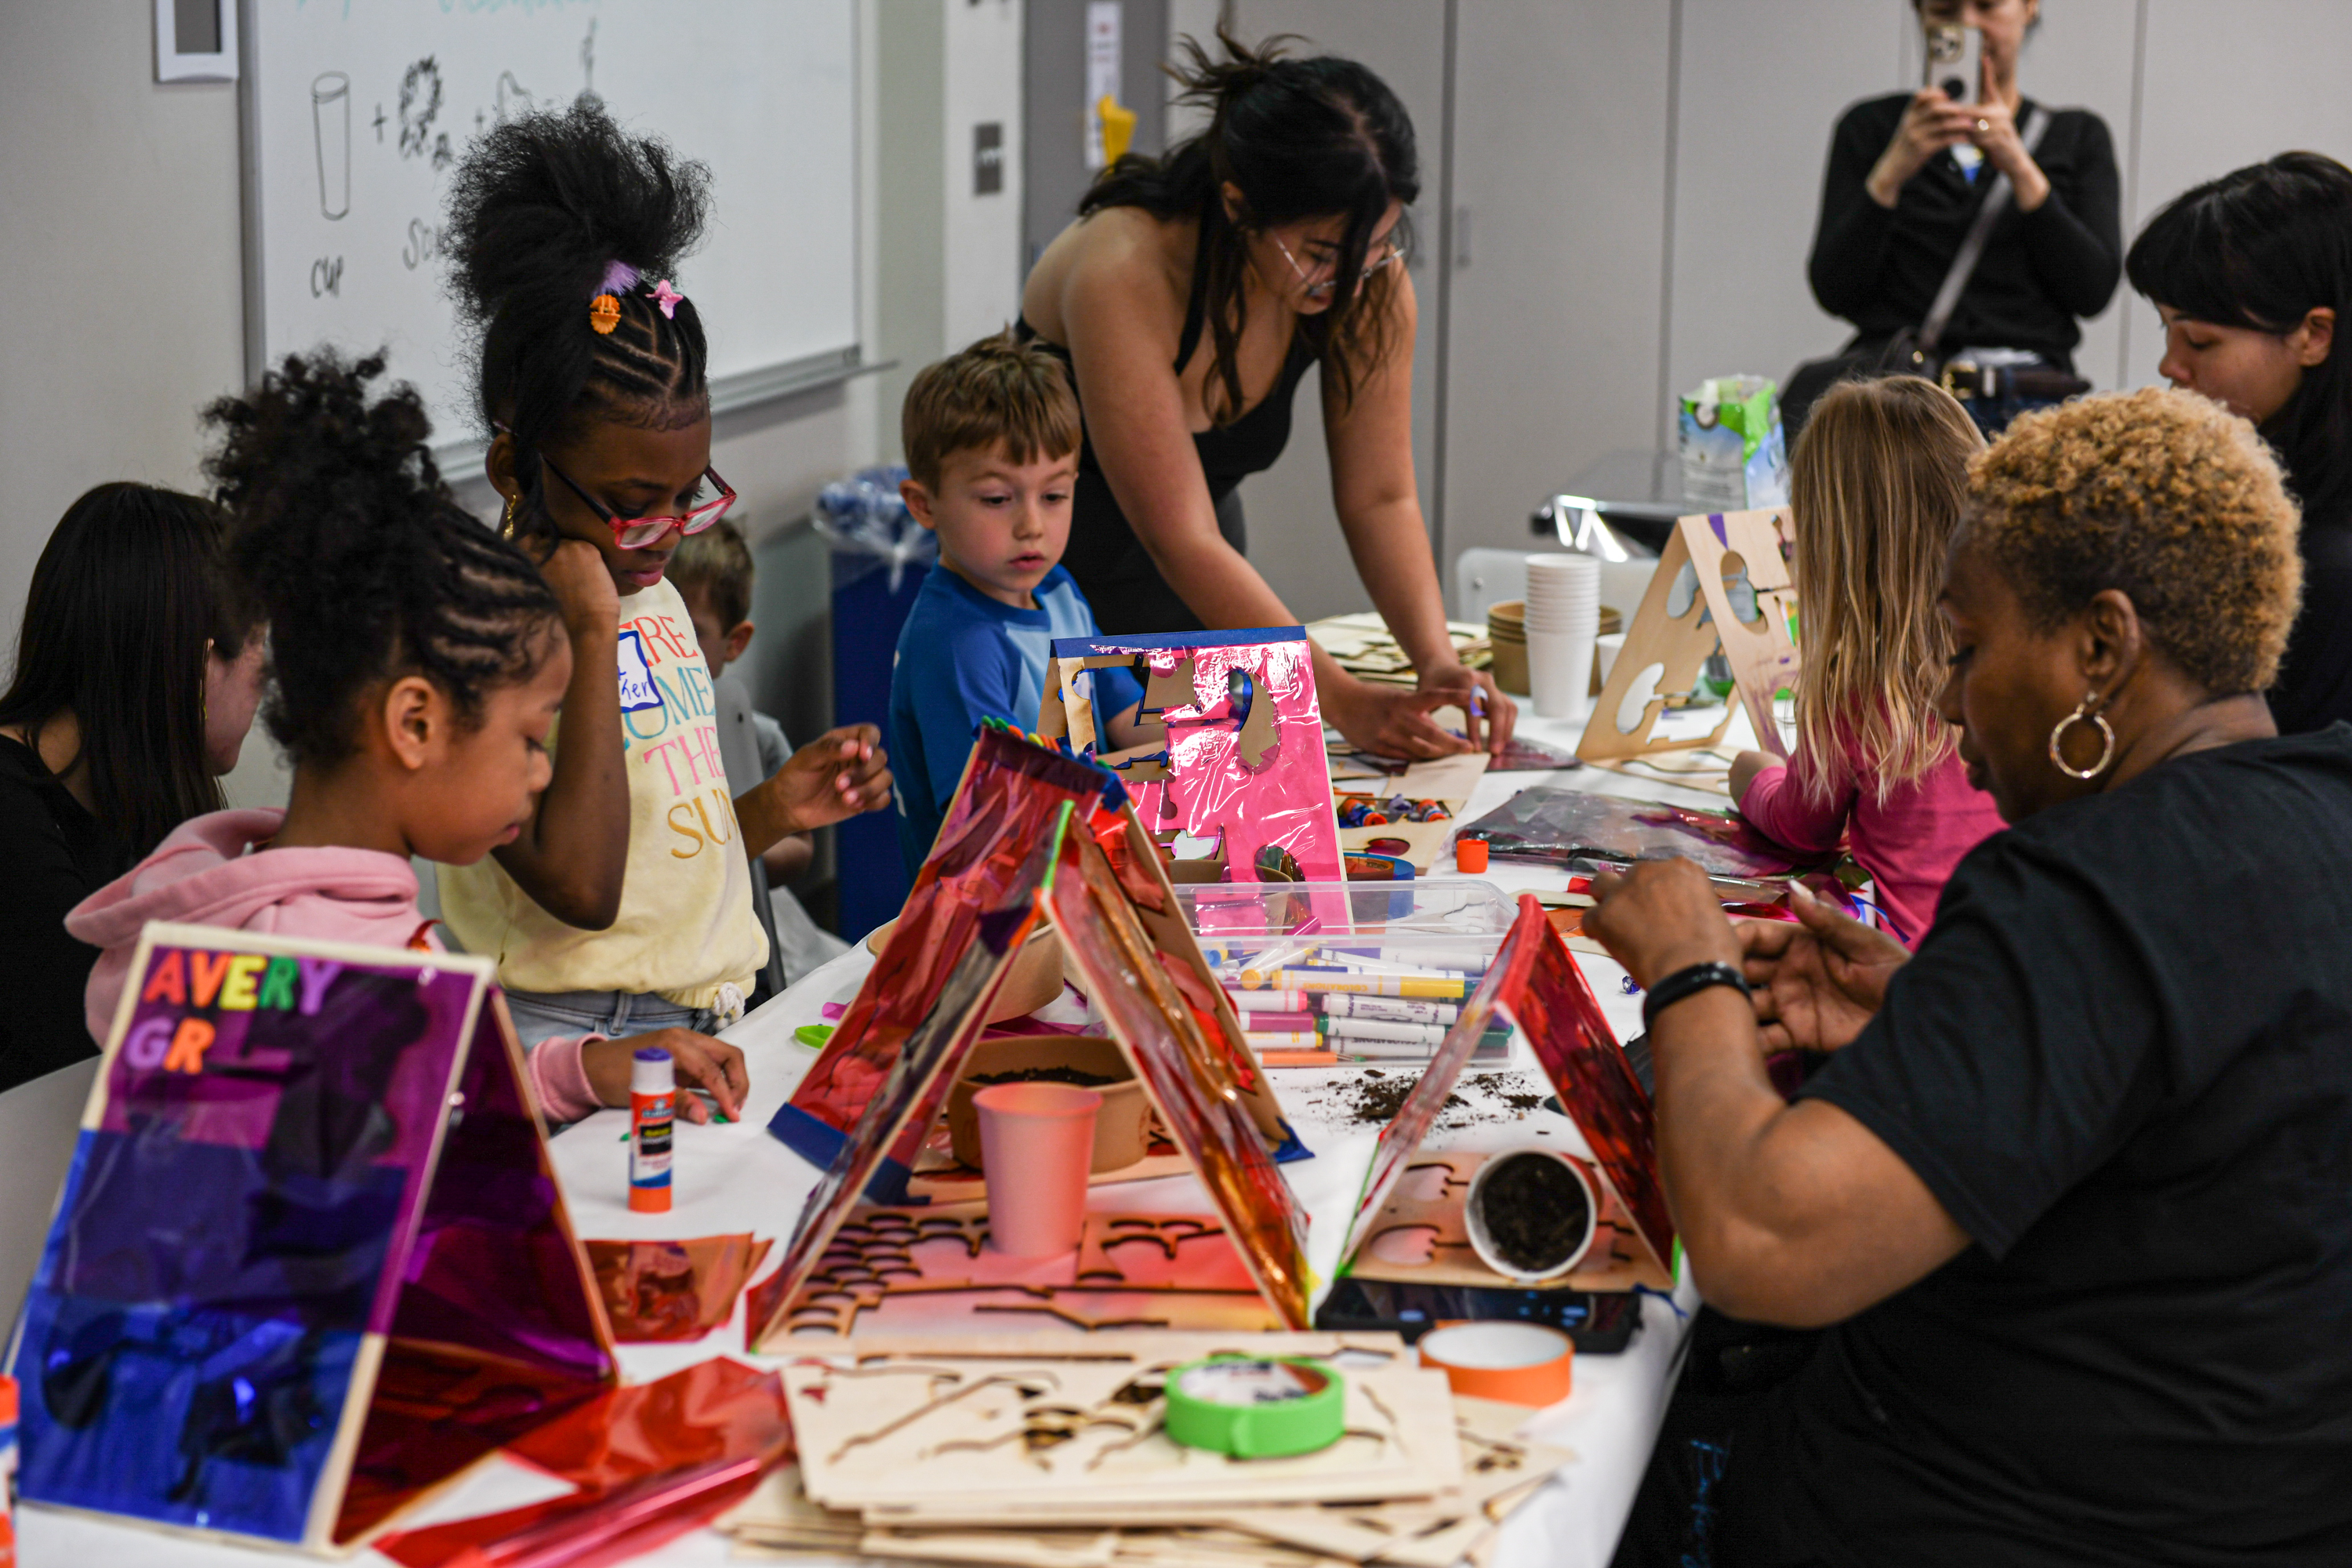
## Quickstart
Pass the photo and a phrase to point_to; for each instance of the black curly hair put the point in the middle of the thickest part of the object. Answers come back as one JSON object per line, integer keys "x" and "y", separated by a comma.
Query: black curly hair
{"x": 541, "y": 209}
{"x": 341, "y": 528}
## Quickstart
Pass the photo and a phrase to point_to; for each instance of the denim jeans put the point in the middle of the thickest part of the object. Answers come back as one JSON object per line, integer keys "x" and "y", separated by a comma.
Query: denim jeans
{"x": 539, "y": 1016}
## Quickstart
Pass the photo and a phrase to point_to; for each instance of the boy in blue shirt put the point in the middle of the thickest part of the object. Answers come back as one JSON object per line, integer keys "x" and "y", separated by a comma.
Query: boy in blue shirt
{"x": 991, "y": 437}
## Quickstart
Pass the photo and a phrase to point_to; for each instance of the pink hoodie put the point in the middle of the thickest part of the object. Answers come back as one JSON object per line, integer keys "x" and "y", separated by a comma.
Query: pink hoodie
{"x": 206, "y": 874}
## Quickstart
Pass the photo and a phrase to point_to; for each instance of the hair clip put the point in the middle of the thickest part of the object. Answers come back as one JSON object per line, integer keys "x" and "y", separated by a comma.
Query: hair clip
{"x": 668, "y": 298}
{"x": 603, "y": 314}
{"x": 619, "y": 278}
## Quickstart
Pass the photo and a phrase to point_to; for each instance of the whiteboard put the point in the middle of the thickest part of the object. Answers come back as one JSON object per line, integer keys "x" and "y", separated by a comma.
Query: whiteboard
{"x": 356, "y": 112}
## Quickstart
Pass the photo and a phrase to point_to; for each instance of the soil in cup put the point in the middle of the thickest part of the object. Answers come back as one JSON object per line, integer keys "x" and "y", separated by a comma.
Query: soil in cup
{"x": 1069, "y": 1075}
{"x": 1535, "y": 1210}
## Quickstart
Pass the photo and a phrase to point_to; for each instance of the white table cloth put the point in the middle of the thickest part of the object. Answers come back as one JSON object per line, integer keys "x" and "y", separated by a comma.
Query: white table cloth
{"x": 737, "y": 1178}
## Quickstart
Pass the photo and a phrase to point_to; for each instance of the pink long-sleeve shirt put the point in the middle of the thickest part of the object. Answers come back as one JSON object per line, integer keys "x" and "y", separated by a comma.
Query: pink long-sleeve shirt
{"x": 210, "y": 872}
{"x": 1909, "y": 845}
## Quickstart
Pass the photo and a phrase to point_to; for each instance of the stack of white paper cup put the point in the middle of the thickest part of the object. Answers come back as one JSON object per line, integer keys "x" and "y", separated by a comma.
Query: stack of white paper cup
{"x": 1563, "y": 618}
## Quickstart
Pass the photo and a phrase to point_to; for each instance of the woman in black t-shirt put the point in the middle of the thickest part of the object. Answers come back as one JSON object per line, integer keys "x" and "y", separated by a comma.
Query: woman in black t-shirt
{"x": 2251, "y": 274}
{"x": 136, "y": 682}
{"x": 1906, "y": 174}
{"x": 2074, "y": 1192}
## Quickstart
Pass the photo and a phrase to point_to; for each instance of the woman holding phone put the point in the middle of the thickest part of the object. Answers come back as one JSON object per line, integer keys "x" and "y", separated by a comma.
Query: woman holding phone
{"x": 1907, "y": 175}
{"x": 1191, "y": 296}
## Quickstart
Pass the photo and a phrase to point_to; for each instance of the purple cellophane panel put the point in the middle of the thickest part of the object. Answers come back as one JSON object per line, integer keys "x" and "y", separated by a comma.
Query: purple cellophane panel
{"x": 224, "y": 1240}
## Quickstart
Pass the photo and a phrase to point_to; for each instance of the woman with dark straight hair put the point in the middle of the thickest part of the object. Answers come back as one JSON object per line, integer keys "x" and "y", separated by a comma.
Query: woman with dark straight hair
{"x": 137, "y": 675}
{"x": 1194, "y": 293}
{"x": 2251, "y": 274}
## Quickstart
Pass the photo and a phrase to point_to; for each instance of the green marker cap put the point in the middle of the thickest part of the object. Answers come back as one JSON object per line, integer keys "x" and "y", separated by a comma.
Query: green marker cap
{"x": 1255, "y": 1409}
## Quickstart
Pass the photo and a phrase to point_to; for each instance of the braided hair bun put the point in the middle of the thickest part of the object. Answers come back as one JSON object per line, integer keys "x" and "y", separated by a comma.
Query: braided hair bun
{"x": 552, "y": 214}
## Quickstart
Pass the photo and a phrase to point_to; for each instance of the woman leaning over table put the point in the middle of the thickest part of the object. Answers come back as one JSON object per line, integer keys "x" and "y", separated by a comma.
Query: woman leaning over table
{"x": 1191, "y": 296}
{"x": 2073, "y": 1193}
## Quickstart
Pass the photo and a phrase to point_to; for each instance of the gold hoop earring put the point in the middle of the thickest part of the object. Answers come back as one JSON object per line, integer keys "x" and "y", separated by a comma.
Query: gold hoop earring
{"x": 2082, "y": 714}
{"x": 507, "y": 518}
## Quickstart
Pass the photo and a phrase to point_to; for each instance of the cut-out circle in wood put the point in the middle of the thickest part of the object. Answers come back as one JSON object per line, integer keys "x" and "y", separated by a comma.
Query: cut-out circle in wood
{"x": 1638, "y": 696}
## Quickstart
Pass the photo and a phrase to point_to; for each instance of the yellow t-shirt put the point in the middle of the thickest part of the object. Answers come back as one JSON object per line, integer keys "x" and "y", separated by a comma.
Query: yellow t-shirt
{"x": 687, "y": 926}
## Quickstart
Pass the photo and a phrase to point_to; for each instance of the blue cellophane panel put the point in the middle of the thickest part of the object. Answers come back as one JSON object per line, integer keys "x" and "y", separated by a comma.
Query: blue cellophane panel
{"x": 187, "y": 1346}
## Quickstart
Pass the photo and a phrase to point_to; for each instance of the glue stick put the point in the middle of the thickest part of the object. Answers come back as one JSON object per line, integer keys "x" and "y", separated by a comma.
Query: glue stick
{"x": 653, "y": 1105}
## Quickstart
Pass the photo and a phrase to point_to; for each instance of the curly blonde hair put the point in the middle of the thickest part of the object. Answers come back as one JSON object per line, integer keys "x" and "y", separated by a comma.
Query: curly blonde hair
{"x": 2164, "y": 495}
{"x": 1876, "y": 486}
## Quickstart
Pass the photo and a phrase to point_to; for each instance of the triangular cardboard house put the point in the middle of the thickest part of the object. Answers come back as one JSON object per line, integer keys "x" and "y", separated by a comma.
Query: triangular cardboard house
{"x": 1408, "y": 1222}
{"x": 1243, "y": 765}
{"x": 1664, "y": 649}
{"x": 310, "y": 1260}
{"x": 1032, "y": 835}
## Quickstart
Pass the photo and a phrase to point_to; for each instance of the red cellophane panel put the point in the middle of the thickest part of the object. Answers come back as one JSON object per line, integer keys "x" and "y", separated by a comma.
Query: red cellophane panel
{"x": 652, "y": 1461}
{"x": 1190, "y": 1078}
{"x": 668, "y": 1290}
{"x": 1562, "y": 1021}
{"x": 1011, "y": 794}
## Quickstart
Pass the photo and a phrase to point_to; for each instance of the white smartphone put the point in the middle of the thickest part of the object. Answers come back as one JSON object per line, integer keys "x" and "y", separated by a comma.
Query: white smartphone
{"x": 1956, "y": 61}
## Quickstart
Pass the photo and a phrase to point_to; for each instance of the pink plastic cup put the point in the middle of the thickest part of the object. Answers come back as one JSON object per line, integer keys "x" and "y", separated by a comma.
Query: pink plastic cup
{"x": 1036, "y": 1144}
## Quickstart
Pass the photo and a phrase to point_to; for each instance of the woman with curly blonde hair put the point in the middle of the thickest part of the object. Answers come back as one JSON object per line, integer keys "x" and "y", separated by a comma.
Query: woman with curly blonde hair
{"x": 1875, "y": 488}
{"x": 2072, "y": 1196}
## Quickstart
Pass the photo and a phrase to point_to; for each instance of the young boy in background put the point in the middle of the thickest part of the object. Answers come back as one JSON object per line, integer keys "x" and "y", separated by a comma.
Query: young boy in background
{"x": 991, "y": 437}
{"x": 713, "y": 573}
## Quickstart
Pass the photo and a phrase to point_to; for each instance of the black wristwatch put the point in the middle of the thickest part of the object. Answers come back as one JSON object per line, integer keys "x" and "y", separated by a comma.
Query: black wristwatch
{"x": 1685, "y": 983}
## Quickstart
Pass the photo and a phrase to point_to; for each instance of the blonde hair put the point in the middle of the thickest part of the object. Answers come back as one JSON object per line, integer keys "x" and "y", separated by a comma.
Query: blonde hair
{"x": 2171, "y": 498}
{"x": 999, "y": 393}
{"x": 1876, "y": 486}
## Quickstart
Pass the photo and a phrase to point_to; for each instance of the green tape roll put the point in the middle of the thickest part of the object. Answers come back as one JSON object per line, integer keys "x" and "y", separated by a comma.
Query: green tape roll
{"x": 1255, "y": 1409}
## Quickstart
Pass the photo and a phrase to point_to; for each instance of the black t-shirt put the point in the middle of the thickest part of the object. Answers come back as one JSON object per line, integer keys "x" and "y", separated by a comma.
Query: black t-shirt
{"x": 2315, "y": 678}
{"x": 2041, "y": 272}
{"x": 53, "y": 854}
{"x": 2121, "y": 1060}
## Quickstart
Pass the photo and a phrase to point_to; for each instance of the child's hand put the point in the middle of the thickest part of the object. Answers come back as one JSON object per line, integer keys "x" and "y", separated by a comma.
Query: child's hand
{"x": 834, "y": 777}
{"x": 698, "y": 1060}
{"x": 583, "y": 585}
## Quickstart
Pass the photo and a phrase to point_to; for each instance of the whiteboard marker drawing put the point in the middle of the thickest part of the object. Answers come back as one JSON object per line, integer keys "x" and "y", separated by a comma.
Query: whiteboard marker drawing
{"x": 420, "y": 105}
{"x": 331, "y": 130}
{"x": 514, "y": 98}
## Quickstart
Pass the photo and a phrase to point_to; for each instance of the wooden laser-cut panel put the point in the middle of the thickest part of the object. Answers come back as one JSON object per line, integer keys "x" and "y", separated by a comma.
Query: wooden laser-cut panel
{"x": 1763, "y": 656}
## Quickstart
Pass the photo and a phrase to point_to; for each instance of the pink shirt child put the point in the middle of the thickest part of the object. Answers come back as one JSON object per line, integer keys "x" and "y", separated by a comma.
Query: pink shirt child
{"x": 1909, "y": 845}
{"x": 206, "y": 873}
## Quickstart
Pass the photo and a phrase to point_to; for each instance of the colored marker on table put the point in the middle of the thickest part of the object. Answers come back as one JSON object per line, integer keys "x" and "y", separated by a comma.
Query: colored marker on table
{"x": 653, "y": 1113}
{"x": 1359, "y": 982}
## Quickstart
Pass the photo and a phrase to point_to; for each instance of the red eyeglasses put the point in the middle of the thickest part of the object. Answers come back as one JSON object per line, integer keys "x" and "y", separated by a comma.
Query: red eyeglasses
{"x": 643, "y": 532}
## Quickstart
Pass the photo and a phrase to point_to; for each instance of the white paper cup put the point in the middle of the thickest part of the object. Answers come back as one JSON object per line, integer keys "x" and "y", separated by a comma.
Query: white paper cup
{"x": 1605, "y": 650}
{"x": 1560, "y": 671}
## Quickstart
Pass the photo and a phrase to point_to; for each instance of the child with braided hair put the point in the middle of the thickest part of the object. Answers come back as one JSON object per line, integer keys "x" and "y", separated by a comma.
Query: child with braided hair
{"x": 418, "y": 662}
{"x": 629, "y": 904}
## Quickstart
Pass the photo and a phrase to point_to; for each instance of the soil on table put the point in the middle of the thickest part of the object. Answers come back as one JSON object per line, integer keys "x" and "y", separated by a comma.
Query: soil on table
{"x": 1070, "y": 1075}
{"x": 1536, "y": 1212}
{"x": 1374, "y": 1099}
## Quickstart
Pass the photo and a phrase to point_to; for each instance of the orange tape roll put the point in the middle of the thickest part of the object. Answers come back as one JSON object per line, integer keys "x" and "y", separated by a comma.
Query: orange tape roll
{"x": 1518, "y": 1363}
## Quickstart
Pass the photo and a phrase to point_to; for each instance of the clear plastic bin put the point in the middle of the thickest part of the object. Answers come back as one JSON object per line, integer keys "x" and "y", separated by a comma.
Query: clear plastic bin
{"x": 1437, "y": 906}
{"x": 1368, "y": 998}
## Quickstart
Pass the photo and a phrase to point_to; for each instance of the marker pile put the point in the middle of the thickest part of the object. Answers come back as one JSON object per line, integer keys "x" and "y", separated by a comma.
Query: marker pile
{"x": 1324, "y": 1003}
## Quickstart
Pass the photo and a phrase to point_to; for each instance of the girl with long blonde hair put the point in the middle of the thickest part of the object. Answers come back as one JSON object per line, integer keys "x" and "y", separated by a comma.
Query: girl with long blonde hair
{"x": 1876, "y": 486}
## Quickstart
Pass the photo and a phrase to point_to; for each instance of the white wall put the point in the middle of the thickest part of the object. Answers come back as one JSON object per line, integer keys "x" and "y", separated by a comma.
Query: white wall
{"x": 950, "y": 265}
{"x": 118, "y": 237}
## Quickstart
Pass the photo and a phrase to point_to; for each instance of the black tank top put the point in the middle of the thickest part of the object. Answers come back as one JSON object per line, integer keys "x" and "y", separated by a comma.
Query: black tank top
{"x": 1113, "y": 569}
